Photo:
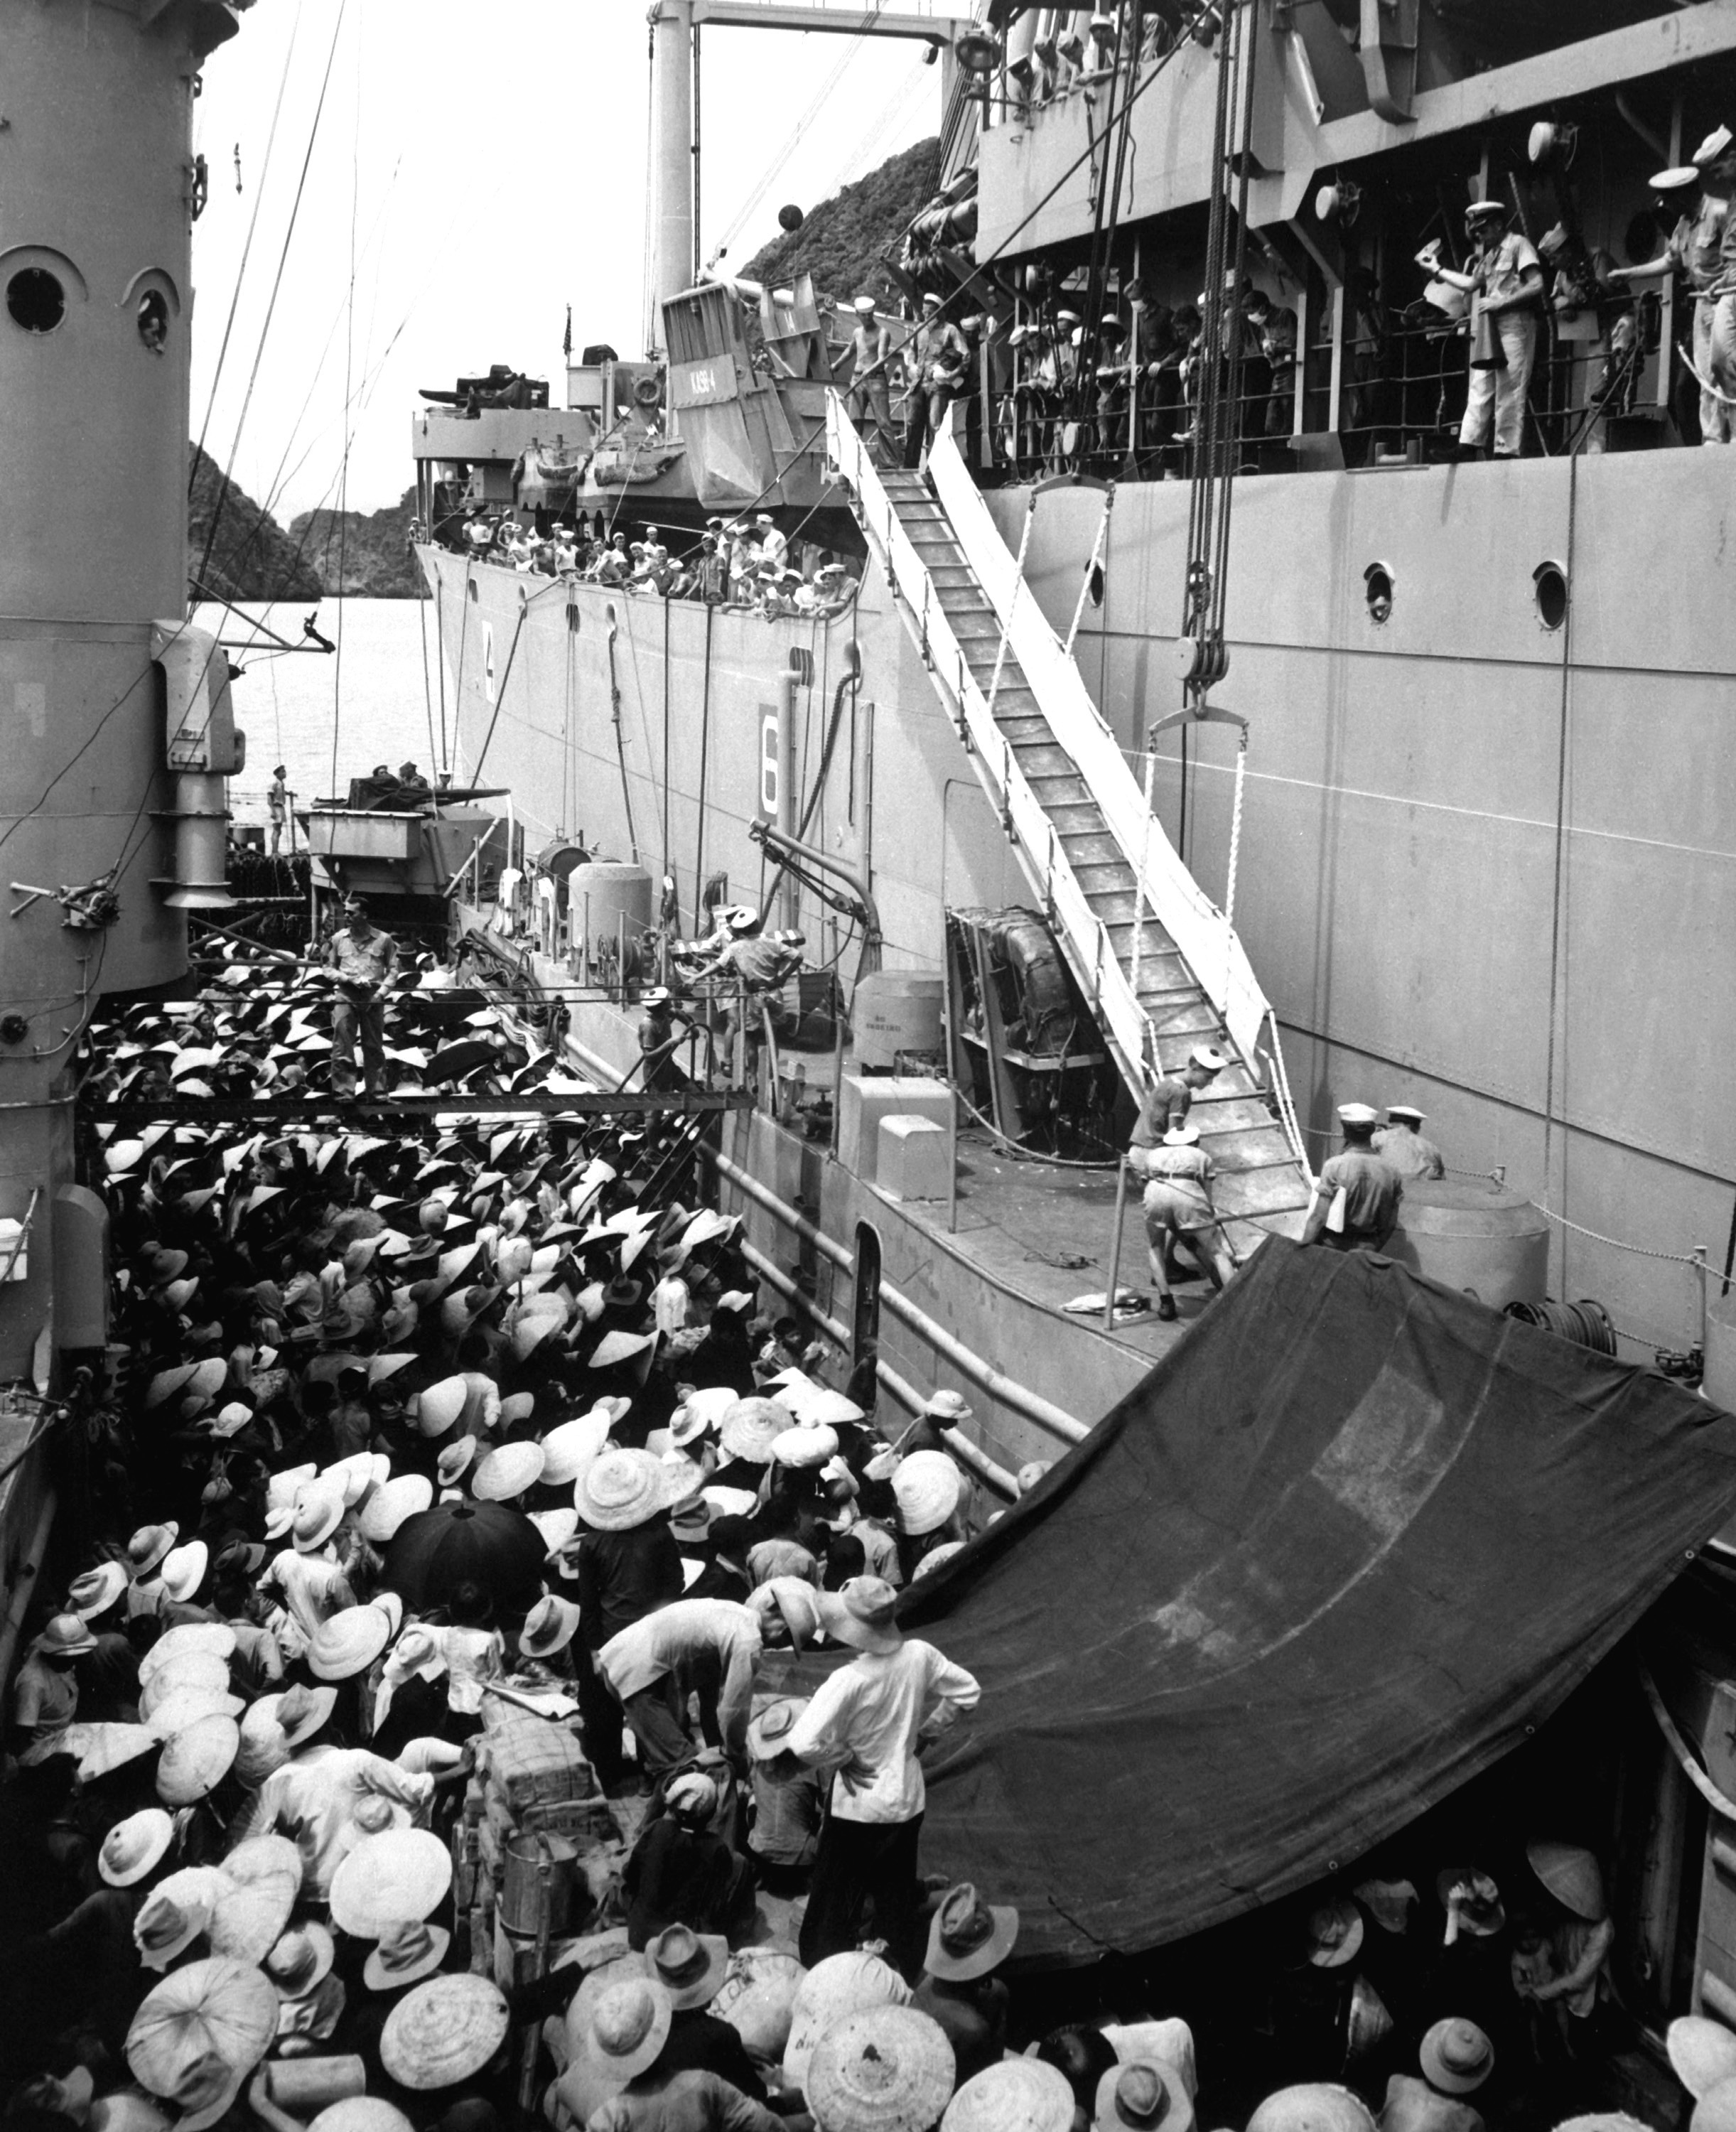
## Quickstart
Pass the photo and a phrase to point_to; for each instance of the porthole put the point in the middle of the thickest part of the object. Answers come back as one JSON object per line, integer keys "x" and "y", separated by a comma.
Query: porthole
{"x": 1550, "y": 581}
{"x": 36, "y": 300}
{"x": 153, "y": 320}
{"x": 1376, "y": 581}
{"x": 1642, "y": 238}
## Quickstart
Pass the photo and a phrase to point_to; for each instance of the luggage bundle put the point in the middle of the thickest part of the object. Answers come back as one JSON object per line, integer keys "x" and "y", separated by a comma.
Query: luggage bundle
{"x": 542, "y": 1848}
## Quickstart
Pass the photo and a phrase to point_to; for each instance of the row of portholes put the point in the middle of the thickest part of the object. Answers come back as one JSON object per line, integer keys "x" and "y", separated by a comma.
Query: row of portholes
{"x": 37, "y": 295}
{"x": 1549, "y": 593}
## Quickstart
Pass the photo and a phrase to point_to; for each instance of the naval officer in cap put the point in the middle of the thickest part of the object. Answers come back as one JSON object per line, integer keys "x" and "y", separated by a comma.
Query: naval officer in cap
{"x": 1400, "y": 1142}
{"x": 1504, "y": 276}
{"x": 1178, "y": 1209}
{"x": 1355, "y": 1204}
{"x": 1170, "y": 1098}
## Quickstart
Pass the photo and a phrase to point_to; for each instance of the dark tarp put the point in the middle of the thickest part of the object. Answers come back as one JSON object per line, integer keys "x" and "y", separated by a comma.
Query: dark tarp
{"x": 1355, "y": 1538}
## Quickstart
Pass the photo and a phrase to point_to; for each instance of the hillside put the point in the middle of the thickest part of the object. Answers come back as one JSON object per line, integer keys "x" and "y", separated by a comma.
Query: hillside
{"x": 252, "y": 558}
{"x": 369, "y": 550}
{"x": 840, "y": 242}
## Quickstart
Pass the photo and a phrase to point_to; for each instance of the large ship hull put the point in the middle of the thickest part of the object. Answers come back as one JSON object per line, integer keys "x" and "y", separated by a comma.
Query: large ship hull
{"x": 1487, "y": 865}
{"x": 1486, "y": 862}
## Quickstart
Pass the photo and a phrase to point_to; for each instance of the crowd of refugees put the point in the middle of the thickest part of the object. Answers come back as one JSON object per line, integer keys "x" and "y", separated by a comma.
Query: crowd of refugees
{"x": 736, "y": 562}
{"x": 403, "y": 1437}
{"x": 397, "y": 1424}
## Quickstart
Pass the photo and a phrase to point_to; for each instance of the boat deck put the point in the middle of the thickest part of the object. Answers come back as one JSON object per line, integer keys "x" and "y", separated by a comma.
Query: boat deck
{"x": 995, "y": 1272}
{"x": 1047, "y": 1233}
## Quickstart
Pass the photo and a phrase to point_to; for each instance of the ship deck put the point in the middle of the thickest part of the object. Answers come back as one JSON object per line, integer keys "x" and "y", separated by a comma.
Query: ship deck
{"x": 1047, "y": 1231}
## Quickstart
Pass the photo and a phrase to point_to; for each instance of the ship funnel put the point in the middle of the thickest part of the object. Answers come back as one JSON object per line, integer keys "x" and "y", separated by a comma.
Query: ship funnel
{"x": 201, "y": 819}
{"x": 203, "y": 749}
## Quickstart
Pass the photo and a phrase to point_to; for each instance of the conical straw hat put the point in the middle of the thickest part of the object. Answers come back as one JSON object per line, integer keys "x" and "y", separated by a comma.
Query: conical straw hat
{"x": 442, "y": 2032}
{"x": 199, "y": 2033}
{"x": 886, "y": 2069}
{"x": 265, "y": 1879}
{"x": 401, "y": 1873}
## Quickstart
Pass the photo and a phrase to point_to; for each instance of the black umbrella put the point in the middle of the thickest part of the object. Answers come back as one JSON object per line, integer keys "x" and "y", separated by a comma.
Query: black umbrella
{"x": 491, "y": 1545}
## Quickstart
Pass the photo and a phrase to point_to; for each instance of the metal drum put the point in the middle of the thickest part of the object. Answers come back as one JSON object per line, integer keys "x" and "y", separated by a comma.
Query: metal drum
{"x": 536, "y": 1888}
{"x": 609, "y": 901}
{"x": 1478, "y": 1238}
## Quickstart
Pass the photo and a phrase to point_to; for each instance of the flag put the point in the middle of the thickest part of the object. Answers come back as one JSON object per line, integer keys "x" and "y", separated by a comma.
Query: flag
{"x": 566, "y": 346}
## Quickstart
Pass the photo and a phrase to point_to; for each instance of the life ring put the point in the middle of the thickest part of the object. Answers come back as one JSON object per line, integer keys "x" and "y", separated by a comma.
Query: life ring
{"x": 647, "y": 392}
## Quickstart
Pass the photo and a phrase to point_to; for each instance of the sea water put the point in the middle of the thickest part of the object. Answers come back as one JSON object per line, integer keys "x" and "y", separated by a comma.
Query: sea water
{"x": 329, "y": 717}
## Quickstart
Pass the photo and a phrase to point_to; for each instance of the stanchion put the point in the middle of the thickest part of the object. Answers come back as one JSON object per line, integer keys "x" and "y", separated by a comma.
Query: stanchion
{"x": 1115, "y": 1245}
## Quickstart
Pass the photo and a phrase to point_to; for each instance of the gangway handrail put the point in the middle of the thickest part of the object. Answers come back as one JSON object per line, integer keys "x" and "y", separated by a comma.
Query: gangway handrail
{"x": 1023, "y": 814}
{"x": 1216, "y": 961}
{"x": 1025, "y": 817}
{"x": 1195, "y": 924}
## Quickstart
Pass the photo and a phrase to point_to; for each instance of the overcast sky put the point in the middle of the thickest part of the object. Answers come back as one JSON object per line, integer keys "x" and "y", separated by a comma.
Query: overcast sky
{"x": 486, "y": 162}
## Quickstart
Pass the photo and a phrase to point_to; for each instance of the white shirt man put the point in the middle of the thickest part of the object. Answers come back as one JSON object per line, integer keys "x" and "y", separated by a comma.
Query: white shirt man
{"x": 313, "y": 1799}
{"x": 865, "y": 1723}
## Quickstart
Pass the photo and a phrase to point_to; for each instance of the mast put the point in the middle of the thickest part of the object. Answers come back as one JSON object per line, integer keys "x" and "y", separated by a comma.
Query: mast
{"x": 674, "y": 262}
{"x": 672, "y": 215}
{"x": 117, "y": 721}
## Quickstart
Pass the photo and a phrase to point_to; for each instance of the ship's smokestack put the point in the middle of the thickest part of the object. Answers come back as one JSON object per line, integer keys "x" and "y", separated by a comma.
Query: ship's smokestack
{"x": 102, "y": 187}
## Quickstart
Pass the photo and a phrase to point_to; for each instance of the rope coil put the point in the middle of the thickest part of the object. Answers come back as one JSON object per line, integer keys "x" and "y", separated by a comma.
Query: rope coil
{"x": 1586, "y": 1324}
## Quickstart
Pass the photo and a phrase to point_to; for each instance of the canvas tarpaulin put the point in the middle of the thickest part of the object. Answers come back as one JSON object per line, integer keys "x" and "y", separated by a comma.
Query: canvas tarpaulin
{"x": 1355, "y": 1538}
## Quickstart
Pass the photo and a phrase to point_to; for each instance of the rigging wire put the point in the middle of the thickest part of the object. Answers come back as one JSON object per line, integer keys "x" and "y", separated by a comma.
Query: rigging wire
{"x": 1106, "y": 207}
{"x": 205, "y": 560}
{"x": 963, "y": 291}
{"x": 1211, "y": 486}
{"x": 705, "y": 742}
{"x": 887, "y": 121}
{"x": 282, "y": 478}
{"x": 857, "y": 40}
{"x": 349, "y": 434}
{"x": 246, "y": 249}
{"x": 445, "y": 760}
{"x": 427, "y": 680}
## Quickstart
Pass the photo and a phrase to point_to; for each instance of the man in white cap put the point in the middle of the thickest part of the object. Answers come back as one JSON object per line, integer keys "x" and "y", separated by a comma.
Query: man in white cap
{"x": 772, "y": 546}
{"x": 1178, "y": 1210}
{"x": 1400, "y": 1142}
{"x": 863, "y": 1724}
{"x": 872, "y": 345}
{"x": 1505, "y": 276}
{"x": 658, "y": 1038}
{"x": 1170, "y": 1098}
{"x": 1699, "y": 248}
{"x": 937, "y": 356}
{"x": 1355, "y": 1204}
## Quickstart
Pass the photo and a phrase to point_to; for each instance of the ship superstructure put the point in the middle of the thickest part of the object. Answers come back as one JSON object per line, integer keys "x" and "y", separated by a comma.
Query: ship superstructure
{"x": 1481, "y": 822}
{"x": 119, "y": 724}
